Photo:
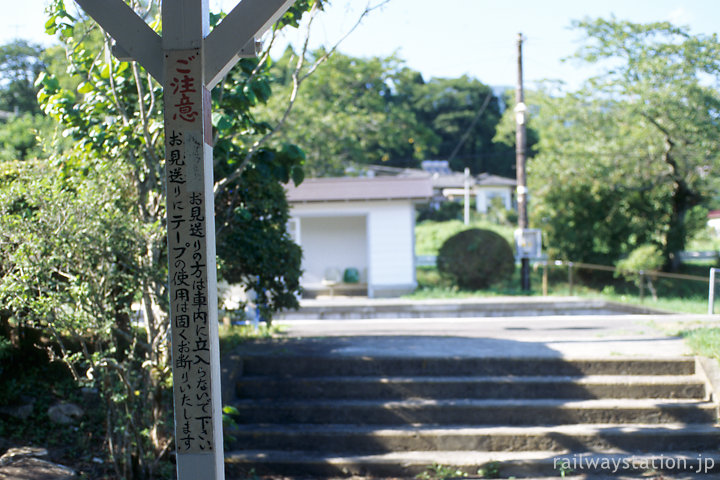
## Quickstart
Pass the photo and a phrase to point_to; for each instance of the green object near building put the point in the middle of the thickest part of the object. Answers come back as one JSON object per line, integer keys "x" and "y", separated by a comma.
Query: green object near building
{"x": 351, "y": 275}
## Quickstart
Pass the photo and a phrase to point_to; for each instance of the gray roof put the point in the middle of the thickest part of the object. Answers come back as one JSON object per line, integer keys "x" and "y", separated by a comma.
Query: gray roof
{"x": 488, "y": 180}
{"x": 360, "y": 188}
{"x": 452, "y": 180}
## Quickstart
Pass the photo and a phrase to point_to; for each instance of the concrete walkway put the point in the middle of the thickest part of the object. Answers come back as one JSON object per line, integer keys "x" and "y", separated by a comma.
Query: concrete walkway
{"x": 577, "y": 336}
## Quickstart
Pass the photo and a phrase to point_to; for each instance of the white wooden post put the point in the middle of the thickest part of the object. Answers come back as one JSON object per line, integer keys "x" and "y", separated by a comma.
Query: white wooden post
{"x": 466, "y": 200}
{"x": 189, "y": 62}
{"x": 711, "y": 291}
{"x": 191, "y": 243}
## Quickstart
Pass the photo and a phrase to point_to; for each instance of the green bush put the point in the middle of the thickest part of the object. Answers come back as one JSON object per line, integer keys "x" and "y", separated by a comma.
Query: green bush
{"x": 446, "y": 211}
{"x": 476, "y": 259}
{"x": 645, "y": 258}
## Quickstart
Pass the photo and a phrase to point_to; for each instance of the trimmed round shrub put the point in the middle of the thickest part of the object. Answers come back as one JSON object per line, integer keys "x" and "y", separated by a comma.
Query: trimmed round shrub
{"x": 475, "y": 259}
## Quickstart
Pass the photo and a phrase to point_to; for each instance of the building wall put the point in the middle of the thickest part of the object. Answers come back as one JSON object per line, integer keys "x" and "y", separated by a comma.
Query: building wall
{"x": 388, "y": 239}
{"x": 333, "y": 243}
{"x": 484, "y": 196}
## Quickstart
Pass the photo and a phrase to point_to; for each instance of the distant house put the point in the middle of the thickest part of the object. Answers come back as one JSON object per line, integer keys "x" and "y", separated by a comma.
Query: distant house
{"x": 488, "y": 187}
{"x": 357, "y": 234}
{"x": 714, "y": 221}
{"x": 450, "y": 185}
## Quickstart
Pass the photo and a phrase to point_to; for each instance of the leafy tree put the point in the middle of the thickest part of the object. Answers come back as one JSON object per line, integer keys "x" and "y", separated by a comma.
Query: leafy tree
{"x": 24, "y": 131}
{"x": 627, "y": 159}
{"x": 23, "y": 137}
{"x": 449, "y": 107}
{"x": 86, "y": 234}
{"x": 661, "y": 73}
{"x": 72, "y": 254}
{"x": 20, "y": 64}
{"x": 590, "y": 198}
{"x": 349, "y": 112}
{"x": 378, "y": 111}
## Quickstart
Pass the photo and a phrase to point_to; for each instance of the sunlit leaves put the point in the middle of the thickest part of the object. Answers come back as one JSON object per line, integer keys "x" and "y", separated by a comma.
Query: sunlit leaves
{"x": 623, "y": 161}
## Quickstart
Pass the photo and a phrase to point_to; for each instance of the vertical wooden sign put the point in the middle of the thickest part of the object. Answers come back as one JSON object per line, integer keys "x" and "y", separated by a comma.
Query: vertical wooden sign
{"x": 192, "y": 270}
{"x": 176, "y": 61}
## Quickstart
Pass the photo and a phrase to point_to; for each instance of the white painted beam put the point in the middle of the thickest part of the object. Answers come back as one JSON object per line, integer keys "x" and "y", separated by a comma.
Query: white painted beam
{"x": 185, "y": 24}
{"x": 234, "y": 37}
{"x": 134, "y": 37}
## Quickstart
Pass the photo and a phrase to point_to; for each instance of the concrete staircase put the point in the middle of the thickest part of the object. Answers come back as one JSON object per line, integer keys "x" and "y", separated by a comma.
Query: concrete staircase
{"x": 325, "y": 416}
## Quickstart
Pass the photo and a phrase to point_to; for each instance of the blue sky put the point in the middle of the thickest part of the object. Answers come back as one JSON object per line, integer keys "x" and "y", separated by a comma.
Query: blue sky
{"x": 449, "y": 38}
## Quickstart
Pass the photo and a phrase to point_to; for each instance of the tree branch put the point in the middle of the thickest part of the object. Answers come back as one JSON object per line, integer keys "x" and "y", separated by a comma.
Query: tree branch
{"x": 297, "y": 79}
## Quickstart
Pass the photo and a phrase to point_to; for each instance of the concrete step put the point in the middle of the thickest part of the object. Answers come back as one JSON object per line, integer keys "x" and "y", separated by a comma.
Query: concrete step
{"x": 386, "y": 388}
{"x": 277, "y": 364}
{"x": 381, "y": 439}
{"x": 482, "y": 307}
{"x": 502, "y": 464}
{"x": 324, "y": 415}
{"x": 476, "y": 412}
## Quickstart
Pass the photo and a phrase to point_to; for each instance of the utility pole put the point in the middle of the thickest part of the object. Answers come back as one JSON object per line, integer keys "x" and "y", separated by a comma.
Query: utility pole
{"x": 520, "y": 146}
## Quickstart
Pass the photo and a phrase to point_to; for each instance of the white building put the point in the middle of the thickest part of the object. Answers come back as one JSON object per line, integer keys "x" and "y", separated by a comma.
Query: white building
{"x": 357, "y": 224}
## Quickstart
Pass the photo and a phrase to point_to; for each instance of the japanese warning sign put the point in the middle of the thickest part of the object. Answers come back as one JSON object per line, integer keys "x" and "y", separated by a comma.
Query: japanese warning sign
{"x": 189, "y": 217}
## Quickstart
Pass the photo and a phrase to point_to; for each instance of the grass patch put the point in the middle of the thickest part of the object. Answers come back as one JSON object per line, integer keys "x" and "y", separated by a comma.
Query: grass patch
{"x": 431, "y": 284}
{"x": 235, "y": 335}
{"x": 680, "y": 296}
{"x": 694, "y": 304}
{"x": 704, "y": 341}
{"x": 704, "y": 241}
{"x": 429, "y": 236}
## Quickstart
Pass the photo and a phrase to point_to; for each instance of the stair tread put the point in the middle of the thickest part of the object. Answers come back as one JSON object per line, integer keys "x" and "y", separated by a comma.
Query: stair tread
{"x": 455, "y": 458}
{"x": 591, "y": 428}
{"x": 381, "y": 425}
{"x": 582, "y": 379}
{"x": 529, "y": 402}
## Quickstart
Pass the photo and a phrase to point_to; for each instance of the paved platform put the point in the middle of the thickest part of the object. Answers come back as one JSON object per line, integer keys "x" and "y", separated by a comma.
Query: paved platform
{"x": 576, "y": 336}
{"x": 499, "y": 306}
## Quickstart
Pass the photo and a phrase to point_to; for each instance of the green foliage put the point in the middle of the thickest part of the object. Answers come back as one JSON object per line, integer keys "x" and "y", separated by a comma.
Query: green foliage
{"x": 360, "y": 111}
{"x": 25, "y": 137}
{"x": 704, "y": 341}
{"x": 235, "y": 335}
{"x": 640, "y": 265}
{"x": 429, "y": 236}
{"x": 82, "y": 234}
{"x": 20, "y": 64}
{"x": 476, "y": 259}
{"x": 490, "y": 470}
{"x": 498, "y": 214}
{"x": 585, "y": 218}
{"x": 24, "y": 132}
{"x": 621, "y": 161}
{"x": 348, "y": 112}
{"x": 440, "y": 472}
{"x": 645, "y": 258}
{"x": 72, "y": 272}
{"x": 446, "y": 211}
{"x": 705, "y": 240}
{"x": 448, "y": 107}
{"x": 57, "y": 252}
